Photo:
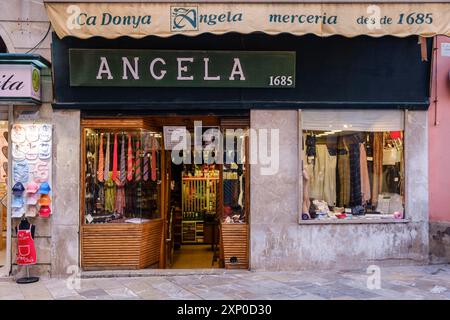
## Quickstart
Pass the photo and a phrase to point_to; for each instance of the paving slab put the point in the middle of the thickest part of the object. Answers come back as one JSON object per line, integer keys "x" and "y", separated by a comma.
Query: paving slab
{"x": 397, "y": 283}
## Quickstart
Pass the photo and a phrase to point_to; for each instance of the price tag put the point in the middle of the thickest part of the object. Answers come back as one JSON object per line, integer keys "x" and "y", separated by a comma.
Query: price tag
{"x": 89, "y": 218}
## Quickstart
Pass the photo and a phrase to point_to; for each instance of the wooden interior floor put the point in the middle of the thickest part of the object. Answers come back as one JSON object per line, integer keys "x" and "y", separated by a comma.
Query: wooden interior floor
{"x": 193, "y": 257}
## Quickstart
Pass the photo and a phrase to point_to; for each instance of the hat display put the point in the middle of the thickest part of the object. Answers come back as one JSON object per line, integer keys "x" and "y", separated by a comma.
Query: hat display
{"x": 44, "y": 150}
{"x": 32, "y": 198}
{"x": 32, "y": 132}
{"x": 44, "y": 200}
{"x": 17, "y": 202}
{"x": 17, "y": 133}
{"x": 17, "y": 212}
{"x": 31, "y": 150}
{"x": 44, "y": 188}
{"x": 45, "y": 132}
{"x": 31, "y": 211}
{"x": 18, "y": 189}
{"x": 32, "y": 187}
{"x": 44, "y": 211}
{"x": 20, "y": 171}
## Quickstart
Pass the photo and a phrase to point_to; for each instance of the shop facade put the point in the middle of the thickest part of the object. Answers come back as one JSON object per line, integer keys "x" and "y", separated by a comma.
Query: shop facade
{"x": 375, "y": 86}
{"x": 293, "y": 95}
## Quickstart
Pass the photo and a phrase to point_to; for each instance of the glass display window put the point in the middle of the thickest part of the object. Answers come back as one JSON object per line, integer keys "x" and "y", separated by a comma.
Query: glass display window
{"x": 353, "y": 165}
{"x": 122, "y": 175}
{"x": 234, "y": 176}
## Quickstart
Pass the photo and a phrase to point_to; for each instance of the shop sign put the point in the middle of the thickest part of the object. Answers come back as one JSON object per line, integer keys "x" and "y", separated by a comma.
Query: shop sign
{"x": 174, "y": 136}
{"x": 163, "y": 68}
{"x": 139, "y": 19}
{"x": 19, "y": 82}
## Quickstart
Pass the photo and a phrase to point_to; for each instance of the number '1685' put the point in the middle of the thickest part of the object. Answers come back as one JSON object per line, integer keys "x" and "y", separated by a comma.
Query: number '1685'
{"x": 281, "y": 81}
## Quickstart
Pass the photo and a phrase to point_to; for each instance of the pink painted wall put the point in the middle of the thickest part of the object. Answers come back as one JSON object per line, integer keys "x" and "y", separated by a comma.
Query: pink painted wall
{"x": 439, "y": 136}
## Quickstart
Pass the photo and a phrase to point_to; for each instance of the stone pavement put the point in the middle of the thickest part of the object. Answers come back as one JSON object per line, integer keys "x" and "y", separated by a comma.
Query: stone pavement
{"x": 406, "y": 282}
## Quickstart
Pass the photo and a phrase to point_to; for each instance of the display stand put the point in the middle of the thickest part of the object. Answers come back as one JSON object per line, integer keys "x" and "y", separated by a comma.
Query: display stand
{"x": 27, "y": 279}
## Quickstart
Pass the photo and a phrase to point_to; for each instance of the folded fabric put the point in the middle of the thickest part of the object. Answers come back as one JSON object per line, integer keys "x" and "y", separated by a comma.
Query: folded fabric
{"x": 44, "y": 150}
{"x": 32, "y": 132}
{"x": 17, "y": 133}
{"x": 33, "y": 151}
{"x": 40, "y": 171}
{"x": 20, "y": 171}
{"x": 45, "y": 132}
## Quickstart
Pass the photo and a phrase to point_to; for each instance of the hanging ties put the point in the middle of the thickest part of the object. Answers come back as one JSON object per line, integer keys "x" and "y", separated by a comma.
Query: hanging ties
{"x": 101, "y": 160}
{"x": 146, "y": 163}
{"x": 130, "y": 160}
{"x": 154, "y": 158}
{"x": 106, "y": 170}
{"x": 137, "y": 171}
{"x": 114, "y": 166}
{"x": 95, "y": 172}
{"x": 120, "y": 201}
{"x": 123, "y": 174}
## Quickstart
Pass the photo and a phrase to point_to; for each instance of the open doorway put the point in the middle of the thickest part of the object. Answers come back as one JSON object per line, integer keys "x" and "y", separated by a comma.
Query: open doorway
{"x": 207, "y": 200}
{"x": 194, "y": 195}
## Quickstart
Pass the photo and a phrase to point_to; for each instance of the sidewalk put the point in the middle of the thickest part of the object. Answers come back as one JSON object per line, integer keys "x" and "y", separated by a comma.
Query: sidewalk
{"x": 411, "y": 282}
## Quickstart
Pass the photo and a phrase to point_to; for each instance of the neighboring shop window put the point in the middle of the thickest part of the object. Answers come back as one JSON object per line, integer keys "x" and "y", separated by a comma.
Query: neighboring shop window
{"x": 122, "y": 175}
{"x": 353, "y": 165}
{"x": 234, "y": 178}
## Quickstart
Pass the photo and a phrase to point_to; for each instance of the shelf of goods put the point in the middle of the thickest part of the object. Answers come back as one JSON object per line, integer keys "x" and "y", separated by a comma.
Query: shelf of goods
{"x": 121, "y": 245}
{"x": 192, "y": 231}
{"x": 199, "y": 195}
{"x": 234, "y": 244}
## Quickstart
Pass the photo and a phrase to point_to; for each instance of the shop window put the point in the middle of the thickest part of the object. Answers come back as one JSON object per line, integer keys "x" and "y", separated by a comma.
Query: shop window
{"x": 353, "y": 165}
{"x": 234, "y": 177}
{"x": 122, "y": 176}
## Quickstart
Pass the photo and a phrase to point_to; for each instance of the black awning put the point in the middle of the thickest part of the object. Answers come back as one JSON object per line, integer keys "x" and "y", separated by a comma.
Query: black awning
{"x": 333, "y": 72}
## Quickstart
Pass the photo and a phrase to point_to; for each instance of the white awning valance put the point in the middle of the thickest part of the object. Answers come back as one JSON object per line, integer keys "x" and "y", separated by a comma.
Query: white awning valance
{"x": 140, "y": 19}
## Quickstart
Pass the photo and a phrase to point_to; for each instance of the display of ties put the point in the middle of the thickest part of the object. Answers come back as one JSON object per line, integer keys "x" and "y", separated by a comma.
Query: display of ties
{"x": 126, "y": 173}
{"x": 154, "y": 159}
{"x": 114, "y": 169}
{"x": 146, "y": 162}
{"x": 137, "y": 169}
{"x": 101, "y": 159}
{"x": 129, "y": 159}
{"x": 106, "y": 175}
{"x": 123, "y": 172}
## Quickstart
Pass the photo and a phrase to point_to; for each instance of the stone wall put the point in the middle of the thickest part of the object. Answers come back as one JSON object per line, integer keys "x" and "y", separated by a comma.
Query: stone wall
{"x": 279, "y": 242}
{"x": 439, "y": 242}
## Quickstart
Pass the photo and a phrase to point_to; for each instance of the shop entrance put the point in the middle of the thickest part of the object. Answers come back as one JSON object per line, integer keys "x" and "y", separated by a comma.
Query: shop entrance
{"x": 147, "y": 204}
{"x": 193, "y": 222}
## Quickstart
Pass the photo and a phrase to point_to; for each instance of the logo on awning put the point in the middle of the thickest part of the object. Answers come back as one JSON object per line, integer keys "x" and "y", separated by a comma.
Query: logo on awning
{"x": 184, "y": 18}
